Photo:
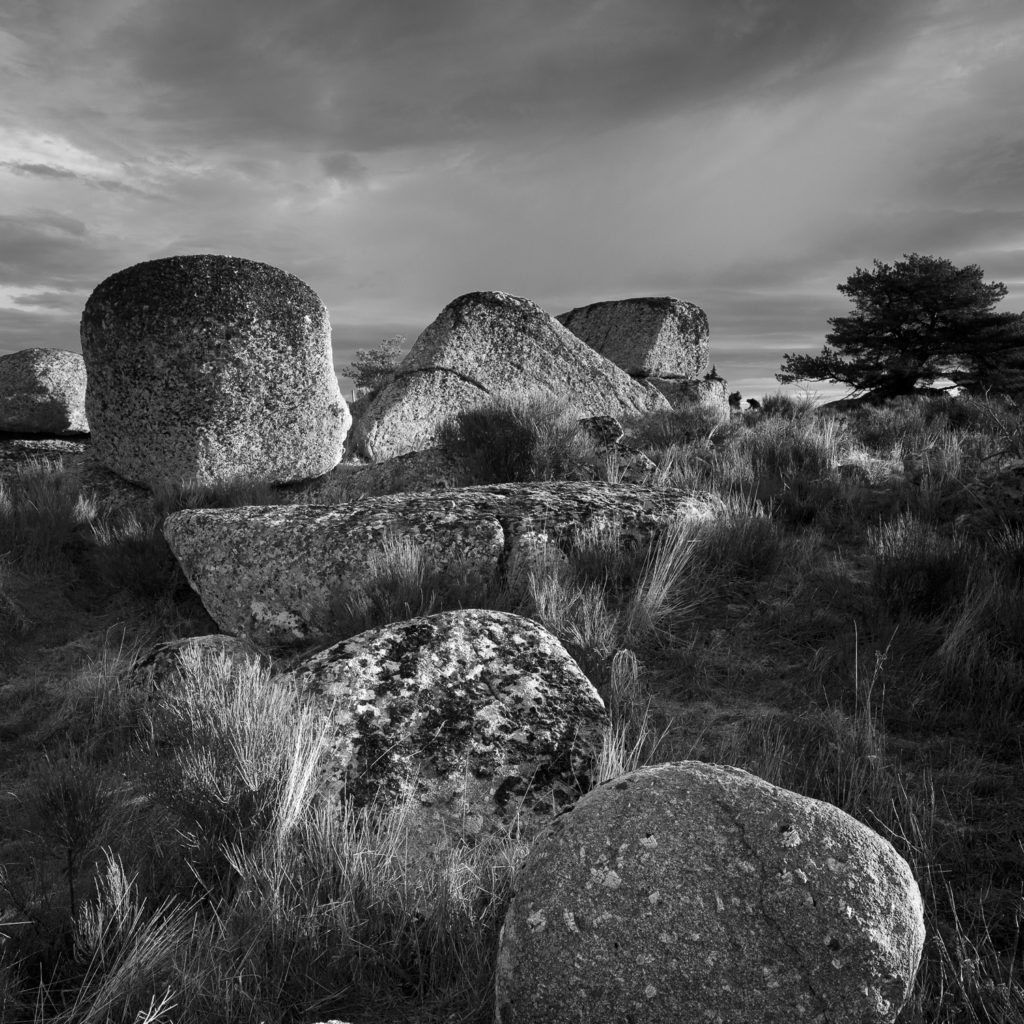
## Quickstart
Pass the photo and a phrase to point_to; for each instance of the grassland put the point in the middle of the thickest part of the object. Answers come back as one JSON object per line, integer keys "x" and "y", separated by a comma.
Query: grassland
{"x": 849, "y": 624}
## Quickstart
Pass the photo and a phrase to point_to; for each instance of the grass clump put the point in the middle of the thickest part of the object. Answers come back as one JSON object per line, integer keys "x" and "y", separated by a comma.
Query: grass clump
{"x": 842, "y": 634}
{"x": 518, "y": 439}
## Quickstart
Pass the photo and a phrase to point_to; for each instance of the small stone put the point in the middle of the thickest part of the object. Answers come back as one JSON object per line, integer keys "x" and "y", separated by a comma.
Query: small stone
{"x": 42, "y": 391}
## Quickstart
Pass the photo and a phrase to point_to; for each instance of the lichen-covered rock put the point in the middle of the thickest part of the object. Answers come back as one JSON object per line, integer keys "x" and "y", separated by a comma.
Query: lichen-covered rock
{"x": 646, "y": 337}
{"x": 211, "y": 369}
{"x": 709, "y": 392}
{"x": 692, "y": 892}
{"x": 488, "y": 344}
{"x": 42, "y": 391}
{"x": 272, "y": 573}
{"x": 478, "y": 719}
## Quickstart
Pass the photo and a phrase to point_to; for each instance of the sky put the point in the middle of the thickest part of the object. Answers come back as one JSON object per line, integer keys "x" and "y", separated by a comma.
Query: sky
{"x": 745, "y": 155}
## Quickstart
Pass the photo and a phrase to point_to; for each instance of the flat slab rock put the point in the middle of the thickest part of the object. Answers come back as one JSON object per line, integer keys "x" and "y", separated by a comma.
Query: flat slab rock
{"x": 485, "y": 344}
{"x": 693, "y": 892}
{"x": 272, "y": 573}
{"x": 480, "y": 720}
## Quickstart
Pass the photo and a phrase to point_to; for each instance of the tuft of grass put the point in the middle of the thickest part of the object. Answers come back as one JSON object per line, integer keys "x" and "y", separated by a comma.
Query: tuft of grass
{"x": 402, "y": 580}
{"x": 42, "y": 513}
{"x": 518, "y": 439}
{"x": 918, "y": 571}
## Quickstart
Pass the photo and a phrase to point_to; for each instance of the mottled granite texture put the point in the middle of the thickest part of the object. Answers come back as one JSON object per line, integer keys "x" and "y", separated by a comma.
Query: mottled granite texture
{"x": 646, "y": 337}
{"x": 42, "y": 391}
{"x": 486, "y": 344}
{"x": 693, "y": 892}
{"x": 211, "y": 369}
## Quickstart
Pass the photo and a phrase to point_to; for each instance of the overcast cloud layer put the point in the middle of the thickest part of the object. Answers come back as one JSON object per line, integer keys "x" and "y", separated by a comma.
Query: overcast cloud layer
{"x": 744, "y": 154}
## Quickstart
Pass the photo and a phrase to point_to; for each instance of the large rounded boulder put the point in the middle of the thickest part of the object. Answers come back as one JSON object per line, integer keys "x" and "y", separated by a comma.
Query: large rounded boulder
{"x": 211, "y": 369}
{"x": 647, "y": 337}
{"x": 693, "y": 892}
{"x": 479, "y": 721}
{"x": 488, "y": 344}
{"x": 42, "y": 391}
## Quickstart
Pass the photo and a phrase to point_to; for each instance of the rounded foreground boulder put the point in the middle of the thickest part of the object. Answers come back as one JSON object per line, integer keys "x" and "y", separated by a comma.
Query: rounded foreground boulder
{"x": 693, "y": 892}
{"x": 211, "y": 369}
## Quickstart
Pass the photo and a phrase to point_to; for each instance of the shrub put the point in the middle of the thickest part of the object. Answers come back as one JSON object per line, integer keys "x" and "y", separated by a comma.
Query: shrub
{"x": 515, "y": 440}
{"x": 783, "y": 447}
{"x": 786, "y": 406}
{"x": 917, "y": 570}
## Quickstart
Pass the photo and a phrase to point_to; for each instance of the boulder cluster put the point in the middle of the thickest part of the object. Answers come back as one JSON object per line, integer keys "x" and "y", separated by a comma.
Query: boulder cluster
{"x": 678, "y": 892}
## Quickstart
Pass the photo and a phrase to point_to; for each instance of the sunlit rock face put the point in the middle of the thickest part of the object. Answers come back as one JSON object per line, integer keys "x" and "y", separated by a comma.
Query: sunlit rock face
{"x": 211, "y": 369}
{"x": 276, "y": 573}
{"x": 479, "y": 720}
{"x": 483, "y": 345}
{"x": 692, "y": 892}
{"x": 646, "y": 337}
{"x": 42, "y": 391}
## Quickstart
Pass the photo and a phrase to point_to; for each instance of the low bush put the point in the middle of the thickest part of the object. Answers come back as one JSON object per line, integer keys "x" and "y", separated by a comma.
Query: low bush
{"x": 517, "y": 440}
{"x": 918, "y": 571}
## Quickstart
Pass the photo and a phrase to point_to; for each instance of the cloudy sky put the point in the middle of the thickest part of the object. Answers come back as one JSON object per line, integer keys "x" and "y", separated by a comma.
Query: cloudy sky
{"x": 746, "y": 155}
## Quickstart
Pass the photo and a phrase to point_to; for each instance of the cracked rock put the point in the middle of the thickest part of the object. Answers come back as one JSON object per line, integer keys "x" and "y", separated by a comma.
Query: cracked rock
{"x": 274, "y": 573}
{"x": 753, "y": 904}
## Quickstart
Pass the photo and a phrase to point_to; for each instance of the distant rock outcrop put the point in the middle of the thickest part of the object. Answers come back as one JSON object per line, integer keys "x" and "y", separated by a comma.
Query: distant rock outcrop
{"x": 647, "y": 337}
{"x": 693, "y": 892}
{"x": 211, "y": 369}
{"x": 272, "y": 573}
{"x": 487, "y": 344}
{"x": 708, "y": 393}
{"x": 42, "y": 391}
{"x": 481, "y": 719}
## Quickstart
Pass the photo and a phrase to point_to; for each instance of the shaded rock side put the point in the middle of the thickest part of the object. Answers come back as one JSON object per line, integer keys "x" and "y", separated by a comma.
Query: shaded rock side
{"x": 709, "y": 392}
{"x": 42, "y": 391}
{"x": 690, "y": 891}
{"x": 481, "y": 720}
{"x": 646, "y": 337}
{"x": 272, "y": 573}
{"x": 485, "y": 344}
{"x": 211, "y": 369}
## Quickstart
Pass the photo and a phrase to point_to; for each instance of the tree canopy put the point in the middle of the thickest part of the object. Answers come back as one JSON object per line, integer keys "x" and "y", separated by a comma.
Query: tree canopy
{"x": 915, "y": 321}
{"x": 373, "y": 368}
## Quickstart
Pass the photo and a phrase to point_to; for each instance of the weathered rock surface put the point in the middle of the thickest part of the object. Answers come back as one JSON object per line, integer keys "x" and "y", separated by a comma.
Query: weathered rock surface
{"x": 271, "y": 573}
{"x": 211, "y": 369}
{"x": 613, "y": 458}
{"x": 42, "y": 391}
{"x": 482, "y": 345}
{"x": 646, "y": 337}
{"x": 692, "y": 892}
{"x": 478, "y": 718}
{"x": 709, "y": 392}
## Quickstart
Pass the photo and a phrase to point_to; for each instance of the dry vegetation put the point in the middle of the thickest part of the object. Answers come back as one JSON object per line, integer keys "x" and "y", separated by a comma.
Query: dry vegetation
{"x": 848, "y": 623}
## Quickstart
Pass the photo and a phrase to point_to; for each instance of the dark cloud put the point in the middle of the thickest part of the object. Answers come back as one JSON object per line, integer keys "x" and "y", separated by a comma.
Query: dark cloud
{"x": 21, "y": 329}
{"x": 44, "y": 248}
{"x": 65, "y": 301}
{"x": 49, "y": 171}
{"x": 39, "y": 170}
{"x": 362, "y": 76}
